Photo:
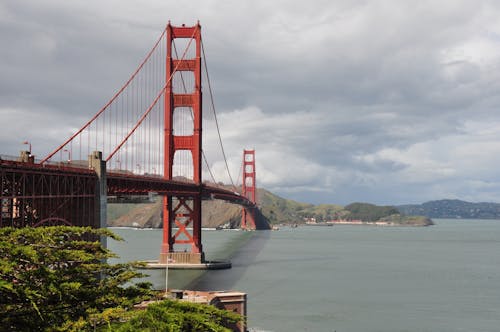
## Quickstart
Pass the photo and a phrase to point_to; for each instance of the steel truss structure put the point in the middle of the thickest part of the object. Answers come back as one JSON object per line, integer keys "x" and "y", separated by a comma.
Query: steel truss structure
{"x": 32, "y": 195}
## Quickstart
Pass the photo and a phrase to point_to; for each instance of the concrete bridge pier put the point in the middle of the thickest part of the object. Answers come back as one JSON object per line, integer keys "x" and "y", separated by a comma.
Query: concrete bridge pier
{"x": 101, "y": 203}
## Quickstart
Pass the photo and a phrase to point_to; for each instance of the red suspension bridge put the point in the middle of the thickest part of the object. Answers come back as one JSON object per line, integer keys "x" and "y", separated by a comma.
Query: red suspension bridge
{"x": 147, "y": 138}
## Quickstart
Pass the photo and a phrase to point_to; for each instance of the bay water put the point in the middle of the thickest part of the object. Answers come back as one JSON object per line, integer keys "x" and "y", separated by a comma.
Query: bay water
{"x": 349, "y": 278}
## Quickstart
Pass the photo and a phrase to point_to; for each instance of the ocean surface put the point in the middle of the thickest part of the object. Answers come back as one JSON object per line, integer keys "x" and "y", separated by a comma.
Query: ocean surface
{"x": 350, "y": 278}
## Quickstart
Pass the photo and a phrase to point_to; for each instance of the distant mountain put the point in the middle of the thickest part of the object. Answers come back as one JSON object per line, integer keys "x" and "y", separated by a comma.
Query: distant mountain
{"x": 453, "y": 208}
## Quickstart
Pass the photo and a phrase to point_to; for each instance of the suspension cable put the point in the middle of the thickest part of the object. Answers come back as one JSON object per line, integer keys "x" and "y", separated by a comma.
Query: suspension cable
{"x": 215, "y": 114}
{"x": 239, "y": 174}
{"x": 152, "y": 104}
{"x": 192, "y": 118}
{"x": 110, "y": 101}
{"x": 209, "y": 170}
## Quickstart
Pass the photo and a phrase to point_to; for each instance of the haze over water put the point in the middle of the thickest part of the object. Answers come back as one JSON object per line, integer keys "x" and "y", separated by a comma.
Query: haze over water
{"x": 354, "y": 278}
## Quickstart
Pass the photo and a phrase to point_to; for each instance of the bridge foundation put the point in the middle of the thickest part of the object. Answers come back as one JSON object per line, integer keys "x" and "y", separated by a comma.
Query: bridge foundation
{"x": 180, "y": 257}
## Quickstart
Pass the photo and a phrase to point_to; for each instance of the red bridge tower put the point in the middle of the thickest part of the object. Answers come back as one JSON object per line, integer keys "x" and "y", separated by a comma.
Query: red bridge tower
{"x": 248, "y": 189}
{"x": 183, "y": 211}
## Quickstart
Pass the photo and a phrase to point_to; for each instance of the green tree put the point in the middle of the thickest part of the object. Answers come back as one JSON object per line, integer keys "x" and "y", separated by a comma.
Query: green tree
{"x": 175, "y": 316}
{"x": 55, "y": 276}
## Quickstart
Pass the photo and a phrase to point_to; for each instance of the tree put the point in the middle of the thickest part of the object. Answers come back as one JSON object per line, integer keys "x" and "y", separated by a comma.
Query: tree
{"x": 175, "y": 316}
{"x": 51, "y": 277}
{"x": 57, "y": 279}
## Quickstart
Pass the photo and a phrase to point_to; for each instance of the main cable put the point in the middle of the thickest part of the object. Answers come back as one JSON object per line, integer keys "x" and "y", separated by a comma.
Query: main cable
{"x": 215, "y": 114}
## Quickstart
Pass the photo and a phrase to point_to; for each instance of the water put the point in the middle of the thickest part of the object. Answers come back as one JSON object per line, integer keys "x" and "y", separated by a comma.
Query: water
{"x": 354, "y": 278}
{"x": 144, "y": 244}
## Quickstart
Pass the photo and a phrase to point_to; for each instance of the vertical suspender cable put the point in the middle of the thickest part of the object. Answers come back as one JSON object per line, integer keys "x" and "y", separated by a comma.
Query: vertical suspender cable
{"x": 215, "y": 114}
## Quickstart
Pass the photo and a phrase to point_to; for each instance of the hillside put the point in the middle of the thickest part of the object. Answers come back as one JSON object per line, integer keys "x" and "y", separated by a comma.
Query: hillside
{"x": 453, "y": 208}
{"x": 149, "y": 215}
{"x": 274, "y": 208}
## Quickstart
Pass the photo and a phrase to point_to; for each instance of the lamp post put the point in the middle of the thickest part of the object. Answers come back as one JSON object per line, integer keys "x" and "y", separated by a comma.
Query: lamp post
{"x": 119, "y": 164}
{"x": 139, "y": 168}
{"x": 166, "y": 278}
{"x": 69, "y": 155}
{"x": 27, "y": 143}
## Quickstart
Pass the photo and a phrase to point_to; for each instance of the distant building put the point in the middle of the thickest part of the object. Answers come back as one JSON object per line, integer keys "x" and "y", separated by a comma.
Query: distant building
{"x": 227, "y": 300}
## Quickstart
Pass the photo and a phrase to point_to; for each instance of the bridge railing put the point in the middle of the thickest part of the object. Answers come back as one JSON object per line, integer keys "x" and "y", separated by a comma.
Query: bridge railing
{"x": 77, "y": 165}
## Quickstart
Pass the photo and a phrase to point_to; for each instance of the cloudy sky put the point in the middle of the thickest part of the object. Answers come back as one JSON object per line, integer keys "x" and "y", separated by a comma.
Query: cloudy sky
{"x": 388, "y": 102}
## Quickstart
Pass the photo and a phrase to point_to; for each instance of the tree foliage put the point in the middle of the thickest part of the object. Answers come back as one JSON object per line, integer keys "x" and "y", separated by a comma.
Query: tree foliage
{"x": 51, "y": 277}
{"x": 57, "y": 279}
{"x": 175, "y": 316}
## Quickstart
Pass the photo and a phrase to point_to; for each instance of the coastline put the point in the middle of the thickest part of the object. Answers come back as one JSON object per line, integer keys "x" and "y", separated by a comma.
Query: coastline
{"x": 381, "y": 224}
{"x": 403, "y": 222}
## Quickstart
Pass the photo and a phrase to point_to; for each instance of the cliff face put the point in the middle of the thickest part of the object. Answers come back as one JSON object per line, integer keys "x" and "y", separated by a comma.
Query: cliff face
{"x": 142, "y": 215}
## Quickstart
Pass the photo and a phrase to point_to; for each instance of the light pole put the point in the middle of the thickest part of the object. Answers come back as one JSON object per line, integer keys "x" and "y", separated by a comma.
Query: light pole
{"x": 166, "y": 278}
{"x": 69, "y": 155}
{"x": 139, "y": 168}
{"x": 27, "y": 143}
{"x": 119, "y": 163}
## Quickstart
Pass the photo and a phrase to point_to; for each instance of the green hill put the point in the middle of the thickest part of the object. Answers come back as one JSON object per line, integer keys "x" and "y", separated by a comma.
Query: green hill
{"x": 284, "y": 211}
{"x": 369, "y": 212}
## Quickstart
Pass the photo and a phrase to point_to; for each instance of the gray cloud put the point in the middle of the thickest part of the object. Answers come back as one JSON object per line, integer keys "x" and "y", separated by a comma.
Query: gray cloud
{"x": 386, "y": 101}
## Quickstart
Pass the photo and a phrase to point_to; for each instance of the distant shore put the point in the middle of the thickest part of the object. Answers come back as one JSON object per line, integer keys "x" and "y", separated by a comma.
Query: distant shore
{"x": 393, "y": 221}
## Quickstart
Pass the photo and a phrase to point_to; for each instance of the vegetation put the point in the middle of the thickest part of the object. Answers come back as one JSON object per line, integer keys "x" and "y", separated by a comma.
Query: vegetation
{"x": 57, "y": 279}
{"x": 175, "y": 316}
{"x": 50, "y": 276}
{"x": 369, "y": 212}
{"x": 398, "y": 219}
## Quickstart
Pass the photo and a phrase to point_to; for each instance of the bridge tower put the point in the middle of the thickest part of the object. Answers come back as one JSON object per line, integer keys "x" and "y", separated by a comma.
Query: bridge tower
{"x": 183, "y": 211}
{"x": 248, "y": 189}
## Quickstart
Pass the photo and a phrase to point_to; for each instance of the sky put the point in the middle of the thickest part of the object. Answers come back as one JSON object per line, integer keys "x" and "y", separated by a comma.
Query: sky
{"x": 386, "y": 102}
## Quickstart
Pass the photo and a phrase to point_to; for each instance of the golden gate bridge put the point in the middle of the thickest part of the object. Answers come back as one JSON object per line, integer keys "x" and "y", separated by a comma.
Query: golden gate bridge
{"x": 147, "y": 138}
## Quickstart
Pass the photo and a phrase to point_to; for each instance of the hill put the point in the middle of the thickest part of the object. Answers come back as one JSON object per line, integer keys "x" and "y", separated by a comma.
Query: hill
{"x": 274, "y": 208}
{"x": 453, "y": 208}
{"x": 149, "y": 215}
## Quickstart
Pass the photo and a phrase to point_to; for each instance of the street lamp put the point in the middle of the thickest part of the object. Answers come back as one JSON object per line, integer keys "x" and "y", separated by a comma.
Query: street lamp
{"x": 27, "y": 143}
{"x": 69, "y": 155}
{"x": 139, "y": 167}
{"x": 119, "y": 164}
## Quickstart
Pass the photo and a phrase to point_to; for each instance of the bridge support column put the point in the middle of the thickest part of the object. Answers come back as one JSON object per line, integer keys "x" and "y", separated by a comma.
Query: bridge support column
{"x": 249, "y": 189}
{"x": 247, "y": 218}
{"x": 168, "y": 241}
{"x": 180, "y": 211}
{"x": 101, "y": 203}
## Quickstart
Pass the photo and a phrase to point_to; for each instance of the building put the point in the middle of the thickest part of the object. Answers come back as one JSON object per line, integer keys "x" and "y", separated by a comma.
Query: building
{"x": 228, "y": 300}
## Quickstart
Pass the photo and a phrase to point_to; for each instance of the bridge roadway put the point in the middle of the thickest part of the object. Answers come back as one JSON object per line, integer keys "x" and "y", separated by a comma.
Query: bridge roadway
{"x": 33, "y": 193}
{"x": 128, "y": 184}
